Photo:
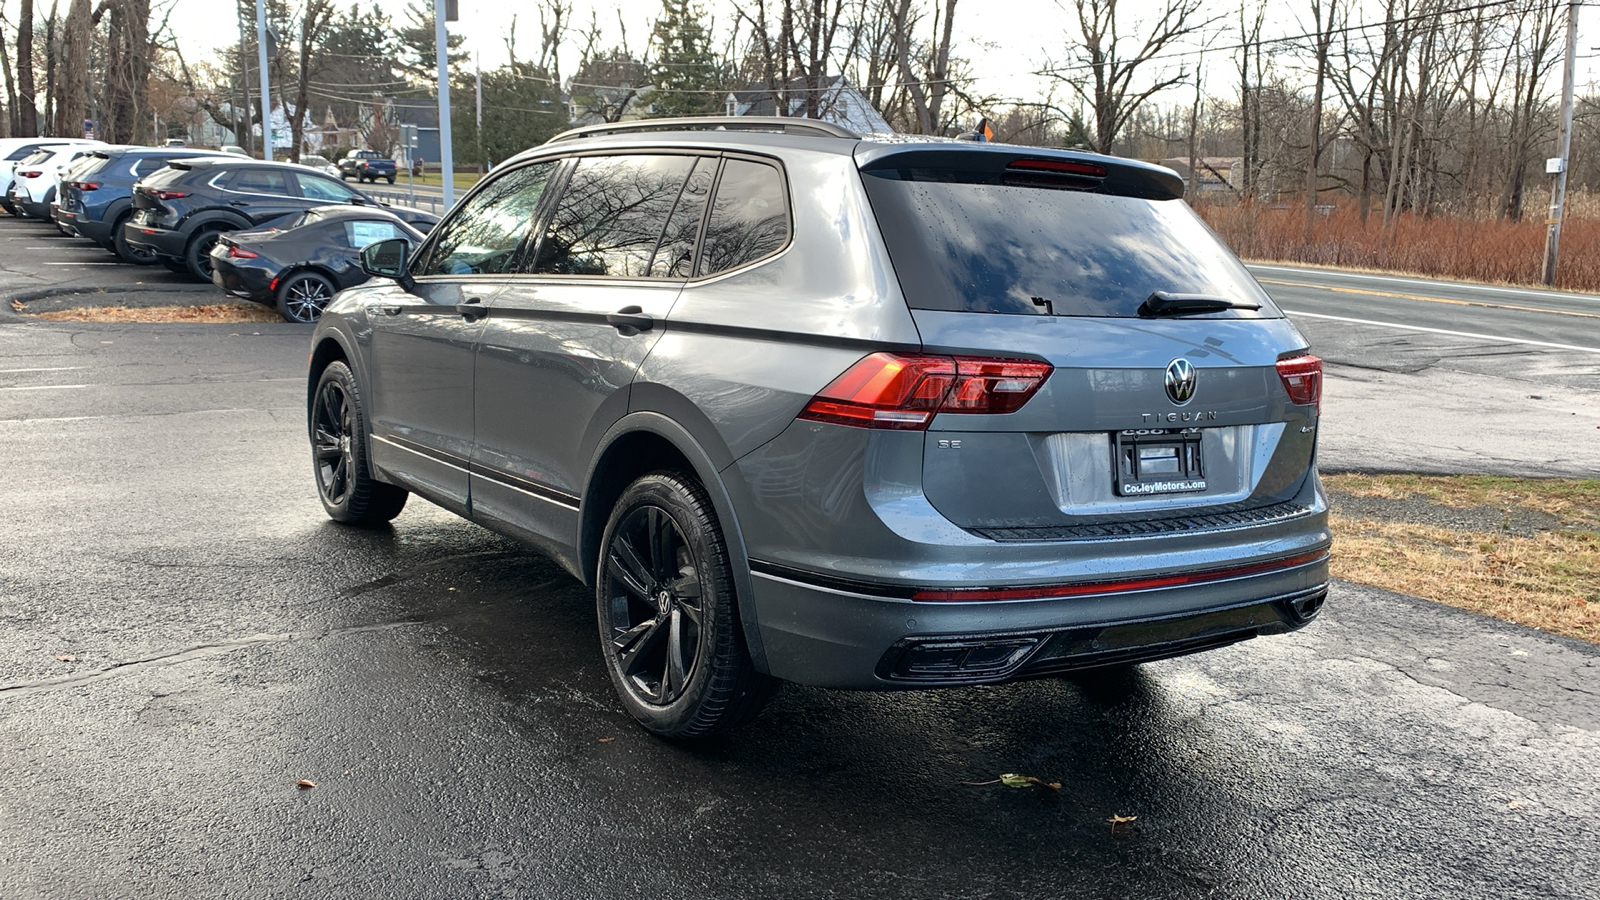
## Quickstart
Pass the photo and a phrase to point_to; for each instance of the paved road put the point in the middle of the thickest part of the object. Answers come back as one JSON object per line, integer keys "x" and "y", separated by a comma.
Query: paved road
{"x": 444, "y": 690}
{"x": 1447, "y": 377}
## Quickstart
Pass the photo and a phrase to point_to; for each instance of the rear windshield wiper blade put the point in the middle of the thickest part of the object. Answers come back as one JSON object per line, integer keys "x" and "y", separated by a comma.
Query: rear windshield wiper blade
{"x": 1162, "y": 303}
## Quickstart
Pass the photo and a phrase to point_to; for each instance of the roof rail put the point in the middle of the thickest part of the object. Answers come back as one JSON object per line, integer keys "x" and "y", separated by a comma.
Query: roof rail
{"x": 781, "y": 124}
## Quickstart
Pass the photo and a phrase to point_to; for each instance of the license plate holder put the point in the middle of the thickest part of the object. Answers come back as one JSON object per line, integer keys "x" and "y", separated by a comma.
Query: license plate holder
{"x": 1151, "y": 461}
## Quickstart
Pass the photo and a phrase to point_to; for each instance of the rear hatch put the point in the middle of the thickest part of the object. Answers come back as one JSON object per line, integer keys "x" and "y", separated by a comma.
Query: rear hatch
{"x": 158, "y": 198}
{"x": 1167, "y": 397}
{"x": 83, "y": 181}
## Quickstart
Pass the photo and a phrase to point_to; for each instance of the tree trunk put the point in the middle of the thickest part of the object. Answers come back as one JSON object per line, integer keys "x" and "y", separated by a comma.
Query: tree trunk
{"x": 27, "y": 110}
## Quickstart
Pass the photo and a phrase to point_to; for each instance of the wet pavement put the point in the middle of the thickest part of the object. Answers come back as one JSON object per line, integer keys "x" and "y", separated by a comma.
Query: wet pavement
{"x": 443, "y": 689}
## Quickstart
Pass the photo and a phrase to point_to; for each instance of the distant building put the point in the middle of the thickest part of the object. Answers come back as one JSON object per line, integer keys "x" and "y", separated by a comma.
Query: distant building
{"x": 1214, "y": 174}
{"x": 838, "y": 102}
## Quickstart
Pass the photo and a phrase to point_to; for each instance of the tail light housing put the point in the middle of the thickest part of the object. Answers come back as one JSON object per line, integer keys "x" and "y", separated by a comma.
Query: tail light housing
{"x": 86, "y": 185}
{"x": 905, "y": 391}
{"x": 237, "y": 252}
{"x": 162, "y": 194}
{"x": 1302, "y": 378}
{"x": 30, "y": 173}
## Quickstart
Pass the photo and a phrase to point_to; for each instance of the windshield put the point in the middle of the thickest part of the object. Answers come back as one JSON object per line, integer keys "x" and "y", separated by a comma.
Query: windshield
{"x": 999, "y": 248}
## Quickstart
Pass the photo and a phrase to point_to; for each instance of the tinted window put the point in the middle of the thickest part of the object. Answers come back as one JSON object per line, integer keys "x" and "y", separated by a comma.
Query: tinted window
{"x": 482, "y": 236}
{"x": 611, "y": 215}
{"x": 359, "y": 233}
{"x": 314, "y": 187}
{"x": 145, "y": 164}
{"x": 994, "y": 248}
{"x": 749, "y": 217}
{"x": 675, "y": 257}
{"x": 20, "y": 152}
{"x": 260, "y": 181}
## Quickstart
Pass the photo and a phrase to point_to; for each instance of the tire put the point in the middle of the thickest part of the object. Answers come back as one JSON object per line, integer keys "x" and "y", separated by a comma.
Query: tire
{"x": 344, "y": 176}
{"x": 338, "y": 425}
{"x": 391, "y": 179}
{"x": 197, "y": 255}
{"x": 664, "y": 594}
{"x": 126, "y": 251}
{"x": 303, "y": 296}
{"x": 174, "y": 265}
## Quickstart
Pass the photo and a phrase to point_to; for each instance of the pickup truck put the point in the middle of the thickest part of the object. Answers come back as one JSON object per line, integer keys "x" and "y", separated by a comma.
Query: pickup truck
{"x": 366, "y": 165}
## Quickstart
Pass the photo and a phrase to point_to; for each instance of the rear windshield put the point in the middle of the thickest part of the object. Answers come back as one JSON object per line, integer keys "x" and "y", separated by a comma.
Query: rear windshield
{"x": 93, "y": 163}
{"x": 998, "y": 248}
{"x": 164, "y": 176}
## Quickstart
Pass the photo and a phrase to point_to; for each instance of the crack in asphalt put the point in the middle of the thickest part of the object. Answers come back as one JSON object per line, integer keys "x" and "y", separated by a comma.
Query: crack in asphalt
{"x": 176, "y": 657}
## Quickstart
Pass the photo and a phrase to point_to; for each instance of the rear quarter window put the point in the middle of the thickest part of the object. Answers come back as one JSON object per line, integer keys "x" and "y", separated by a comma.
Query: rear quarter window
{"x": 749, "y": 217}
{"x": 1001, "y": 248}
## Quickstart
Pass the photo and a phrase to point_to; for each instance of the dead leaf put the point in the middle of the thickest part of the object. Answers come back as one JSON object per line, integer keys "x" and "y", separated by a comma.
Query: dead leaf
{"x": 607, "y": 740}
{"x": 305, "y": 784}
{"x": 1119, "y": 824}
{"x": 1011, "y": 779}
{"x": 65, "y": 657}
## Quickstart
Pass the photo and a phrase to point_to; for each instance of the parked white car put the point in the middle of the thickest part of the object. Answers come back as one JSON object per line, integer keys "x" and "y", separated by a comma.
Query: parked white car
{"x": 14, "y": 150}
{"x": 36, "y": 178}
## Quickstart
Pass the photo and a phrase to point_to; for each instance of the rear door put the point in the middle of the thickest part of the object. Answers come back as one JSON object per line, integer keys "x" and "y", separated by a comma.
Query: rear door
{"x": 261, "y": 194}
{"x": 1146, "y": 413}
{"x": 565, "y": 340}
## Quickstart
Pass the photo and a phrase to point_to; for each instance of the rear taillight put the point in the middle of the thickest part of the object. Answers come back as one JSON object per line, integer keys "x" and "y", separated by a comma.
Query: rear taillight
{"x": 241, "y": 253}
{"x": 30, "y": 173}
{"x": 1302, "y": 378}
{"x": 160, "y": 194}
{"x": 902, "y": 391}
{"x": 86, "y": 185}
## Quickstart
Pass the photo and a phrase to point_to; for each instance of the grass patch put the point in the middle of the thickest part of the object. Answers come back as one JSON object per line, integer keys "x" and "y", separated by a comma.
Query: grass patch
{"x": 1549, "y": 580}
{"x": 214, "y": 313}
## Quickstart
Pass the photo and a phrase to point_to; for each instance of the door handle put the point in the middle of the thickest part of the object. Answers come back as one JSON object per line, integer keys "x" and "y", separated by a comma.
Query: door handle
{"x": 630, "y": 320}
{"x": 387, "y": 309}
{"x": 472, "y": 309}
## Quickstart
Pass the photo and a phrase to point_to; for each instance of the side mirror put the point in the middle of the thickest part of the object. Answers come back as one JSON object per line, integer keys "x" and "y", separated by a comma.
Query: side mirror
{"x": 390, "y": 259}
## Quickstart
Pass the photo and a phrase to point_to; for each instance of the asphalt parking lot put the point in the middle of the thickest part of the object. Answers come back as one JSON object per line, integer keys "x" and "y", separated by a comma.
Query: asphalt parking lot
{"x": 185, "y": 636}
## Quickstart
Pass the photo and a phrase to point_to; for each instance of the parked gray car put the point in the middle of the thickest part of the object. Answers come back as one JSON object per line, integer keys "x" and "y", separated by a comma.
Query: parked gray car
{"x": 846, "y": 411}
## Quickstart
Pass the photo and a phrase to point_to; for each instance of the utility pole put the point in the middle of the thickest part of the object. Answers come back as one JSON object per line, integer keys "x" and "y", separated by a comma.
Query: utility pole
{"x": 1558, "y": 165}
{"x": 266, "y": 88}
{"x": 482, "y": 163}
{"x": 441, "y": 38}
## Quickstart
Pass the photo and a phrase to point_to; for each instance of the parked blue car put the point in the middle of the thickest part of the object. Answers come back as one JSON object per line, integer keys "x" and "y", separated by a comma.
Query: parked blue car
{"x": 99, "y": 200}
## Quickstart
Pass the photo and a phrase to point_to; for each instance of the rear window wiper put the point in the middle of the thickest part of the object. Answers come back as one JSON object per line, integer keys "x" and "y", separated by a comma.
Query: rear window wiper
{"x": 1162, "y": 303}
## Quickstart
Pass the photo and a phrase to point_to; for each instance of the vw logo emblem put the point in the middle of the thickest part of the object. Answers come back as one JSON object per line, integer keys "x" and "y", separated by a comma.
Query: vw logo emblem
{"x": 1181, "y": 376}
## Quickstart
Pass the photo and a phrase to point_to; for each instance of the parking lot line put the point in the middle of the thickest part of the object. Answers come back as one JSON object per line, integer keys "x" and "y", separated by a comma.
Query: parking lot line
{"x": 83, "y": 264}
{"x": 1498, "y": 339}
{"x": 45, "y": 369}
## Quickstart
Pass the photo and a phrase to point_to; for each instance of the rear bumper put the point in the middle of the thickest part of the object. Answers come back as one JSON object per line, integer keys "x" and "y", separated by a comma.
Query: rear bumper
{"x": 33, "y": 209}
{"x": 821, "y": 634}
{"x": 159, "y": 241}
{"x": 93, "y": 229}
{"x": 246, "y": 283}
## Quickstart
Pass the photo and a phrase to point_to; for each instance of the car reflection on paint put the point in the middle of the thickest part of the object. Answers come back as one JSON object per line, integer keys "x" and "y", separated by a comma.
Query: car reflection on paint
{"x": 298, "y": 264}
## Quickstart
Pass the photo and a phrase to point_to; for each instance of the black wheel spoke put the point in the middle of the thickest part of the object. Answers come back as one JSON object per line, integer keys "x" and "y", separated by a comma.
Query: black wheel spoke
{"x": 647, "y": 637}
{"x": 625, "y": 566}
{"x": 675, "y": 675}
{"x": 662, "y": 557}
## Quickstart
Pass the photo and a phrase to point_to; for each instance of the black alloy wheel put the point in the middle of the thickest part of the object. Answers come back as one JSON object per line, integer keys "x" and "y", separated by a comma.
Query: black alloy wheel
{"x": 668, "y": 619}
{"x": 198, "y": 255}
{"x": 126, "y": 251}
{"x": 303, "y": 296}
{"x": 338, "y": 454}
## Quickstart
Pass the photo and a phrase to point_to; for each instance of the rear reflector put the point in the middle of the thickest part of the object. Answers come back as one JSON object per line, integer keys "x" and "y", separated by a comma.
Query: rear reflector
{"x": 1050, "y": 592}
{"x": 905, "y": 392}
{"x": 1302, "y": 378}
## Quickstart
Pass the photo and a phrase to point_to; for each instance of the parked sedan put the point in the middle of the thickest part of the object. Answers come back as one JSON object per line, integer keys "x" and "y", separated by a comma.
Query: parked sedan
{"x": 299, "y": 266}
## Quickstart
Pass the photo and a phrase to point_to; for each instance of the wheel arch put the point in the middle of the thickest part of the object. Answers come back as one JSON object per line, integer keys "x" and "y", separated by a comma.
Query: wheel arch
{"x": 647, "y": 441}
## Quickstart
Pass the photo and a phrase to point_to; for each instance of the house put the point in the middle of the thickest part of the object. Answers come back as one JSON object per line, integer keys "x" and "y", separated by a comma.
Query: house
{"x": 838, "y": 102}
{"x": 1214, "y": 174}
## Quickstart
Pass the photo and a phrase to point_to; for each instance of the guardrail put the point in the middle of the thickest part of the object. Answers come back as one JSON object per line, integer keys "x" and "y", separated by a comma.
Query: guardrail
{"x": 430, "y": 202}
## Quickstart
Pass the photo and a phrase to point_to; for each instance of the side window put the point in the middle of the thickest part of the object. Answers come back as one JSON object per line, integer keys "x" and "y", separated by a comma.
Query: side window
{"x": 259, "y": 181}
{"x": 313, "y": 187}
{"x": 749, "y": 217}
{"x": 675, "y": 257}
{"x": 358, "y": 234}
{"x": 483, "y": 234}
{"x": 612, "y": 215}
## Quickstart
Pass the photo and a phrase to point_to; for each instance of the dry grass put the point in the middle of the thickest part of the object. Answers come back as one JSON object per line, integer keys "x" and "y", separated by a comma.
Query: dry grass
{"x": 1475, "y": 249}
{"x": 215, "y": 313}
{"x": 1549, "y": 580}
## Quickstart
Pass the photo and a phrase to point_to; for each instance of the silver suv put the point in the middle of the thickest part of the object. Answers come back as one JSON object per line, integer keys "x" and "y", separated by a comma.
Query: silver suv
{"x": 857, "y": 412}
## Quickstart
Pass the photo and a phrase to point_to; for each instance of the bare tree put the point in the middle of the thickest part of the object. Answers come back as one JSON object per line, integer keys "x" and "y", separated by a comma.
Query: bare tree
{"x": 1323, "y": 41}
{"x": 27, "y": 111}
{"x": 1107, "y": 61}
{"x": 313, "y": 23}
